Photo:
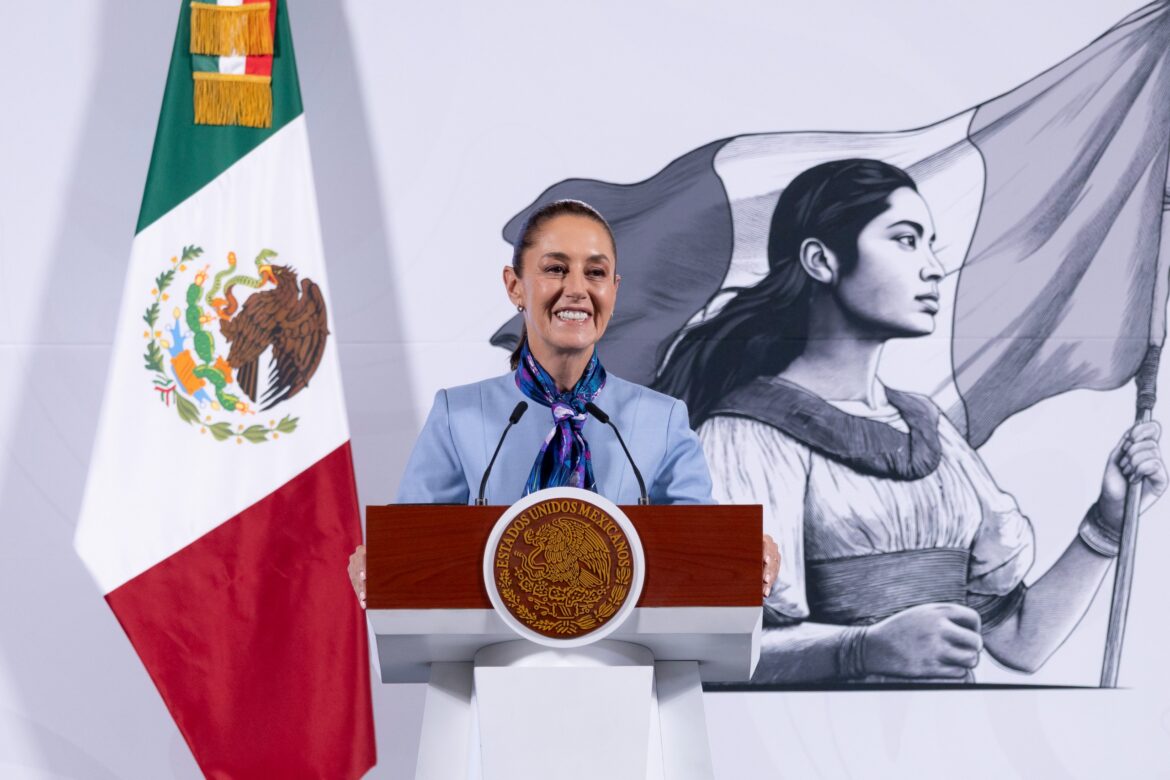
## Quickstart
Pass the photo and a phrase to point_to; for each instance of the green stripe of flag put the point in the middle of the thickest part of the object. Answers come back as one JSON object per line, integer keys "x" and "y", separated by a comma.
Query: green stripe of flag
{"x": 204, "y": 63}
{"x": 187, "y": 156}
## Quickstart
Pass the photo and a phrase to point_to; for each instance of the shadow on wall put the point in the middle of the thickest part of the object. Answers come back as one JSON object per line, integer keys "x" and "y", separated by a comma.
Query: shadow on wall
{"x": 81, "y": 701}
{"x": 365, "y": 307}
{"x": 357, "y": 251}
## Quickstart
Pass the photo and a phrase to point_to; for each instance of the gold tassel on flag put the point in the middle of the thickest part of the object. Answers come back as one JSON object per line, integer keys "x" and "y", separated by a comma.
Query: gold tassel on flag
{"x": 233, "y": 99}
{"x": 230, "y": 30}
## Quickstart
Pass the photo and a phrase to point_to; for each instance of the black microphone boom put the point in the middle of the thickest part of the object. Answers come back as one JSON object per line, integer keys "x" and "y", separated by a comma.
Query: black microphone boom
{"x": 514, "y": 418}
{"x": 603, "y": 418}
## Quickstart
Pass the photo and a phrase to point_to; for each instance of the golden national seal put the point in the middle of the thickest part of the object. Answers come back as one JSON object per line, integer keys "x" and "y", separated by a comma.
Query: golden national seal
{"x": 563, "y": 567}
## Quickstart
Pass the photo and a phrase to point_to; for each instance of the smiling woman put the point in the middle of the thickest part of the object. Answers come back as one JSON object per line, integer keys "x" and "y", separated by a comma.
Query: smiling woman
{"x": 563, "y": 278}
{"x": 568, "y": 293}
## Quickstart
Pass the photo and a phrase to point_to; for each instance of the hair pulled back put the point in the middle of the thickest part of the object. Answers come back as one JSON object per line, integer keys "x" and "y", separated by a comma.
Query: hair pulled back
{"x": 528, "y": 233}
{"x": 765, "y": 326}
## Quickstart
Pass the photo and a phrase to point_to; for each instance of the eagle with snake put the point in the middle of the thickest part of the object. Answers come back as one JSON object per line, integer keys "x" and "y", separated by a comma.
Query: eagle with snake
{"x": 288, "y": 318}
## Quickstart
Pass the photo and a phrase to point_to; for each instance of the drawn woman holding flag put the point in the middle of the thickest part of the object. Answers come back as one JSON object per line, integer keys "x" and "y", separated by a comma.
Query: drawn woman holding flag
{"x": 902, "y": 560}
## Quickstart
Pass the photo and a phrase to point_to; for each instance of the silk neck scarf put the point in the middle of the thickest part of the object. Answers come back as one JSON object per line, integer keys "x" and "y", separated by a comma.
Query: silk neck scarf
{"x": 564, "y": 459}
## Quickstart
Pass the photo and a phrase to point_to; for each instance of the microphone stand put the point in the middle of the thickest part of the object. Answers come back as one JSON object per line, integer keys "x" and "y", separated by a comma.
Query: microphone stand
{"x": 514, "y": 418}
{"x": 596, "y": 411}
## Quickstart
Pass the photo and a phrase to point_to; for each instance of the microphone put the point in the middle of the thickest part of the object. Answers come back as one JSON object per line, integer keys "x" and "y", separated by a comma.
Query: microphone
{"x": 514, "y": 418}
{"x": 602, "y": 417}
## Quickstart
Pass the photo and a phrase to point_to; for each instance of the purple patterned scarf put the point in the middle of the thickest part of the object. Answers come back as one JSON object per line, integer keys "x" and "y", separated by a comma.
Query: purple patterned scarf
{"x": 564, "y": 458}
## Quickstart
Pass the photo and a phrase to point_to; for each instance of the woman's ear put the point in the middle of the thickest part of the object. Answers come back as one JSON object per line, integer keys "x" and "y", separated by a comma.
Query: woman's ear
{"x": 818, "y": 261}
{"x": 513, "y": 286}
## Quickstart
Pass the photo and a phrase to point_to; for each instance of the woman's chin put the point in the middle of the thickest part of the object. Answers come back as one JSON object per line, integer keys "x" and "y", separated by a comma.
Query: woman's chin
{"x": 921, "y": 324}
{"x": 910, "y": 330}
{"x": 573, "y": 336}
{"x": 569, "y": 344}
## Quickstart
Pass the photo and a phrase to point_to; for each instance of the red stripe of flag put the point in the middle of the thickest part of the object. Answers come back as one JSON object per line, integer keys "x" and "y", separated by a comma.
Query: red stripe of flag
{"x": 261, "y": 64}
{"x": 241, "y": 633}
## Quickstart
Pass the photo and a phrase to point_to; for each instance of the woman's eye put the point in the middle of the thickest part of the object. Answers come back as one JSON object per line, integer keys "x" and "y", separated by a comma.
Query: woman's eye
{"x": 598, "y": 273}
{"x": 908, "y": 241}
{"x": 555, "y": 269}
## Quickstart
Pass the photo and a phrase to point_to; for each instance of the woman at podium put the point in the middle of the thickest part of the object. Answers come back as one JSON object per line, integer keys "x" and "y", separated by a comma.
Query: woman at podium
{"x": 903, "y": 560}
{"x": 563, "y": 278}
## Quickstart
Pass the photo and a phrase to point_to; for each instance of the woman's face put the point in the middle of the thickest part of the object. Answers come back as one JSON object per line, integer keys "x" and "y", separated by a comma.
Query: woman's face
{"x": 894, "y": 289}
{"x": 568, "y": 286}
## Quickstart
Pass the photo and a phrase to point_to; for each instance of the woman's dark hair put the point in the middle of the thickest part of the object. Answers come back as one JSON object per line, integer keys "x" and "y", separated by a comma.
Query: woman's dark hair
{"x": 765, "y": 326}
{"x": 528, "y": 233}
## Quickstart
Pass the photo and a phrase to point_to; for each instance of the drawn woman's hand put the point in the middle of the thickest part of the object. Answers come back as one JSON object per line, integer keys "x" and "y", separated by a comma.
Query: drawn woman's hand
{"x": 1137, "y": 456}
{"x": 357, "y": 573}
{"x": 929, "y": 640}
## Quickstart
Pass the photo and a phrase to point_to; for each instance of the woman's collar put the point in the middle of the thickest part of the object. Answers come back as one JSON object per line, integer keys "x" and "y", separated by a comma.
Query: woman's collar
{"x": 865, "y": 445}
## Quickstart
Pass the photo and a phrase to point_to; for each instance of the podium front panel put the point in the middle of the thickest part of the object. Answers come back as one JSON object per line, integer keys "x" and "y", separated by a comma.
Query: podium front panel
{"x": 700, "y": 601}
{"x": 426, "y": 556}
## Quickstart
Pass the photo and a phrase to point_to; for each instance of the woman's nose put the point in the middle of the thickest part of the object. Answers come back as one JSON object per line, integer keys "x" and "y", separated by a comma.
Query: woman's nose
{"x": 933, "y": 271}
{"x": 575, "y": 284}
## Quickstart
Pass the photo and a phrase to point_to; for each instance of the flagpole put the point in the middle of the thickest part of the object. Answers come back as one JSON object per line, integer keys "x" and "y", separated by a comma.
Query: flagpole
{"x": 1146, "y": 380}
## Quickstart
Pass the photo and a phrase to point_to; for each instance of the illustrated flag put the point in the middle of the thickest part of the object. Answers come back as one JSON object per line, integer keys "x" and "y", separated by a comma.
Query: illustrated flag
{"x": 221, "y": 506}
{"x": 1048, "y": 203}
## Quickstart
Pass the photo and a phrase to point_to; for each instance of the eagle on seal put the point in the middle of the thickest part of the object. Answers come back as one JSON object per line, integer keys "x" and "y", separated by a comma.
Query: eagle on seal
{"x": 289, "y": 319}
{"x": 574, "y": 554}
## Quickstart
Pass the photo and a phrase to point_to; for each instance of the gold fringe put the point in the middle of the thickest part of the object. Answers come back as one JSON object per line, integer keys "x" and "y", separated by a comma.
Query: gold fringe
{"x": 226, "y": 30}
{"x": 230, "y": 99}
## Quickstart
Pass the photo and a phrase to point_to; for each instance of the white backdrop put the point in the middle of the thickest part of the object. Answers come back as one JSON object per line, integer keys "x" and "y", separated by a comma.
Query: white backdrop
{"x": 431, "y": 125}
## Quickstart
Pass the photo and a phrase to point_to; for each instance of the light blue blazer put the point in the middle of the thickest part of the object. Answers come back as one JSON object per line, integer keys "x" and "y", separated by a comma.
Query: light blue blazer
{"x": 465, "y": 423}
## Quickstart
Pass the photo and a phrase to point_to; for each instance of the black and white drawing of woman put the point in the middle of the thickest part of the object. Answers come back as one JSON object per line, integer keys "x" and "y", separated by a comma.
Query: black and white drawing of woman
{"x": 901, "y": 558}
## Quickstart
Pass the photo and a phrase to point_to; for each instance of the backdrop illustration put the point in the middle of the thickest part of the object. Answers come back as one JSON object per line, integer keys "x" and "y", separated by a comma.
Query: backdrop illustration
{"x": 431, "y": 128}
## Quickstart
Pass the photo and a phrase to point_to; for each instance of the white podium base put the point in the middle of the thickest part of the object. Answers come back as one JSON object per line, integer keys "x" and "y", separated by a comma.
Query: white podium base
{"x": 606, "y": 710}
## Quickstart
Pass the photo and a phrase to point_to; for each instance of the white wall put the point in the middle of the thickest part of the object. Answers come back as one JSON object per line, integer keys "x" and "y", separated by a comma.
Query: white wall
{"x": 431, "y": 125}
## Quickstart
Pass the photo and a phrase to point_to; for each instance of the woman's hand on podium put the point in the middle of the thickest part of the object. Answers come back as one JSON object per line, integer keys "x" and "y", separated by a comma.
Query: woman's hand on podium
{"x": 357, "y": 573}
{"x": 771, "y": 563}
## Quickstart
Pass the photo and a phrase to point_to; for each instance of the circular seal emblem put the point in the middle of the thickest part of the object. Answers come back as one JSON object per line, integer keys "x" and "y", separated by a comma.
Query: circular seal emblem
{"x": 564, "y": 567}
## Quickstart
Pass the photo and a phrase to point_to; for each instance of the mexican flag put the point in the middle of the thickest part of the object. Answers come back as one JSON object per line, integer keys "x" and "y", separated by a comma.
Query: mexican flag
{"x": 1049, "y": 204}
{"x": 221, "y": 505}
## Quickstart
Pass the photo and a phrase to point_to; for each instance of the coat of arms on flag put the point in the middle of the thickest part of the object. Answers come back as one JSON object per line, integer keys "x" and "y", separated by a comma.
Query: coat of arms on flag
{"x": 207, "y": 360}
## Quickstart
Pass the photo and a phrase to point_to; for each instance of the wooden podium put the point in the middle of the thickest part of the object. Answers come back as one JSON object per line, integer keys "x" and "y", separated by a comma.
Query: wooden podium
{"x": 697, "y": 620}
